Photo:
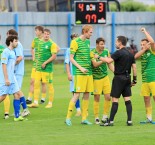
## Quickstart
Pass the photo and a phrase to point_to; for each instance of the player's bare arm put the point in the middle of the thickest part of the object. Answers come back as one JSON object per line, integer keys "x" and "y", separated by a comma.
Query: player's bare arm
{"x": 4, "y": 67}
{"x": 150, "y": 39}
{"x": 82, "y": 69}
{"x": 111, "y": 67}
{"x": 97, "y": 63}
{"x": 68, "y": 72}
{"x": 19, "y": 59}
{"x": 53, "y": 57}
{"x": 33, "y": 54}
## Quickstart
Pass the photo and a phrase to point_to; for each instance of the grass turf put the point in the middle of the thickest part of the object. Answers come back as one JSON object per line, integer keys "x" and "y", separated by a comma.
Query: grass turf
{"x": 47, "y": 127}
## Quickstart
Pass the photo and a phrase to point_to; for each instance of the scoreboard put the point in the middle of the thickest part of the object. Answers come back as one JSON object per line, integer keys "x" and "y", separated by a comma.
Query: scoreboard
{"x": 90, "y": 13}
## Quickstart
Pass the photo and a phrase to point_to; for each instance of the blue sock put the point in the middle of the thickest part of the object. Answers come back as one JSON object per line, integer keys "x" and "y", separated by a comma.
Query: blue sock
{"x": 77, "y": 105}
{"x": 16, "y": 105}
{"x": 23, "y": 102}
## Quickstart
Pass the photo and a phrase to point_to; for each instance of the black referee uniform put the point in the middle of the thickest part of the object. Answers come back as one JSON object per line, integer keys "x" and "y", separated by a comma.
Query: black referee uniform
{"x": 121, "y": 84}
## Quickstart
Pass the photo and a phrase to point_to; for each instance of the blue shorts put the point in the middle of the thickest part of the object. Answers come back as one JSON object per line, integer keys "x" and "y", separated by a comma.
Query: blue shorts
{"x": 13, "y": 88}
{"x": 19, "y": 79}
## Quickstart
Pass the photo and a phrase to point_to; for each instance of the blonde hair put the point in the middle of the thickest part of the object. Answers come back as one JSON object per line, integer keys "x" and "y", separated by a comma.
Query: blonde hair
{"x": 86, "y": 28}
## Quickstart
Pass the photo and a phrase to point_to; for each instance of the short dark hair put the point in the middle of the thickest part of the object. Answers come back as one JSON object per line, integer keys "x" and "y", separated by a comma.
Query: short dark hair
{"x": 122, "y": 39}
{"x": 100, "y": 39}
{"x": 145, "y": 40}
{"x": 12, "y": 32}
{"x": 40, "y": 28}
{"x": 74, "y": 35}
{"x": 10, "y": 39}
{"x": 47, "y": 30}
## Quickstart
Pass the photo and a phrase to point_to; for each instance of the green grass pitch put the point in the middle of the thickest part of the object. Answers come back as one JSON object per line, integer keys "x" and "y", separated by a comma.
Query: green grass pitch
{"x": 47, "y": 127}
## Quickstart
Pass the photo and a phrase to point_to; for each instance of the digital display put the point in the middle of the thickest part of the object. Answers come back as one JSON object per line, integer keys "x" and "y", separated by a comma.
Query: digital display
{"x": 90, "y": 13}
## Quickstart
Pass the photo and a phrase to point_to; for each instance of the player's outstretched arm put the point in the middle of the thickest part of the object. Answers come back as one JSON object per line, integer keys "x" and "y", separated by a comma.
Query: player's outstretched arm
{"x": 149, "y": 38}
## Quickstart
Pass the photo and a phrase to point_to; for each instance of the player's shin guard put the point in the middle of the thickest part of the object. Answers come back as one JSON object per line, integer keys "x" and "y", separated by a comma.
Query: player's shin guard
{"x": 70, "y": 109}
{"x": 106, "y": 107}
{"x": 113, "y": 112}
{"x": 7, "y": 104}
{"x": 16, "y": 105}
{"x": 96, "y": 109}
{"x": 128, "y": 109}
{"x": 23, "y": 102}
{"x": 36, "y": 90}
{"x": 85, "y": 104}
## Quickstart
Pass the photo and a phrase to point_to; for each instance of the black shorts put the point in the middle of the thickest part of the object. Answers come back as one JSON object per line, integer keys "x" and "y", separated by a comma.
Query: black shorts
{"x": 121, "y": 85}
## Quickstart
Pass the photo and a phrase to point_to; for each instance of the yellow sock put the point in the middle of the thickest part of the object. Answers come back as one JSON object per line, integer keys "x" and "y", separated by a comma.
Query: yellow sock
{"x": 85, "y": 104}
{"x": 70, "y": 109}
{"x": 96, "y": 109}
{"x": 30, "y": 95}
{"x": 149, "y": 112}
{"x": 7, "y": 105}
{"x": 36, "y": 90}
{"x": 43, "y": 96}
{"x": 51, "y": 92}
{"x": 106, "y": 107}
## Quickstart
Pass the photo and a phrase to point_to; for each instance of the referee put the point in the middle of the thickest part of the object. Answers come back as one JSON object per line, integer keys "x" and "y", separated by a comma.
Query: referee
{"x": 121, "y": 84}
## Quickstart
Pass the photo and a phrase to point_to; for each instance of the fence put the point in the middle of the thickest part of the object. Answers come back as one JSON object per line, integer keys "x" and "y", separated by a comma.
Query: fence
{"x": 62, "y": 25}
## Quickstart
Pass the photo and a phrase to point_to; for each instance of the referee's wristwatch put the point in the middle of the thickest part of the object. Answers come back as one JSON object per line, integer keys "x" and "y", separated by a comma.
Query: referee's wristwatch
{"x": 98, "y": 57}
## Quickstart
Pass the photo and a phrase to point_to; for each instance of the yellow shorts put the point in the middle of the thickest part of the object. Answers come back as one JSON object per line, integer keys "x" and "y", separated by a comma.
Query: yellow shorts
{"x": 33, "y": 73}
{"x": 83, "y": 83}
{"x": 45, "y": 77}
{"x": 147, "y": 89}
{"x": 102, "y": 85}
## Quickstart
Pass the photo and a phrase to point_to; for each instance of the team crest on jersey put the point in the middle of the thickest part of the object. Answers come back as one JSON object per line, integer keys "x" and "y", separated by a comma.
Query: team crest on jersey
{"x": 46, "y": 46}
{"x": 78, "y": 88}
{"x": 148, "y": 54}
{"x": 95, "y": 91}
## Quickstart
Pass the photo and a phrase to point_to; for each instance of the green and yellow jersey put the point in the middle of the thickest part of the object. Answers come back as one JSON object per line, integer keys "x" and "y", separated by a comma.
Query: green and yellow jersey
{"x": 144, "y": 59}
{"x": 1, "y": 50}
{"x": 149, "y": 68}
{"x": 45, "y": 51}
{"x": 81, "y": 51}
{"x": 101, "y": 71}
{"x": 34, "y": 45}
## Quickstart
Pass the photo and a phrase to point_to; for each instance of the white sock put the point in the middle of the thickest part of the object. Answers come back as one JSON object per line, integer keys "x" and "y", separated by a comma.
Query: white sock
{"x": 43, "y": 99}
{"x": 35, "y": 102}
{"x": 149, "y": 118}
{"x": 29, "y": 98}
{"x": 50, "y": 103}
{"x": 104, "y": 117}
{"x": 78, "y": 109}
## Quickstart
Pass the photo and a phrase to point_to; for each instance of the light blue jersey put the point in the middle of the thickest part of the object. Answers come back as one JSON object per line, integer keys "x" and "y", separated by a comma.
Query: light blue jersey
{"x": 19, "y": 68}
{"x": 8, "y": 57}
{"x": 67, "y": 61}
